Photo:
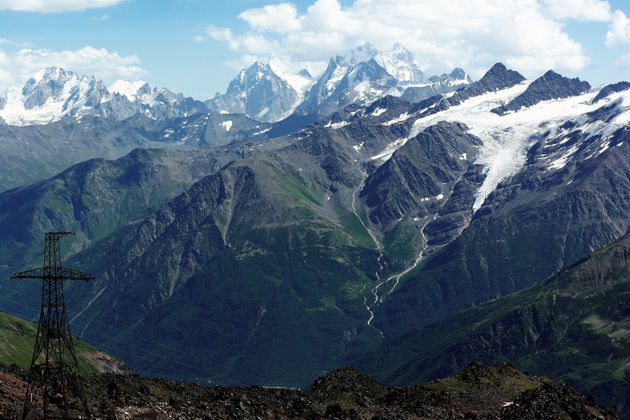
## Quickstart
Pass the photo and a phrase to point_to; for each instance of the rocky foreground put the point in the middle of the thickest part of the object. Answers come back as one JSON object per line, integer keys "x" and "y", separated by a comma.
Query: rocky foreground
{"x": 477, "y": 392}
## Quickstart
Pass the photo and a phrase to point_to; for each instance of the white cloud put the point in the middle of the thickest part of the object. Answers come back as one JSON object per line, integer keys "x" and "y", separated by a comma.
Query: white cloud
{"x": 526, "y": 34}
{"x": 619, "y": 30}
{"x": 280, "y": 18}
{"x": 54, "y": 6}
{"x": 592, "y": 10}
{"x": 251, "y": 43}
{"x": 17, "y": 67}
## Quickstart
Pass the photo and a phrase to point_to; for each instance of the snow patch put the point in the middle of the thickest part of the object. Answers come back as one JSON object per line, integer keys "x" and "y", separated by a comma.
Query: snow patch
{"x": 388, "y": 151}
{"x": 336, "y": 125}
{"x": 605, "y": 146}
{"x": 226, "y": 125}
{"x": 258, "y": 133}
{"x": 399, "y": 119}
{"x": 562, "y": 160}
{"x": 379, "y": 111}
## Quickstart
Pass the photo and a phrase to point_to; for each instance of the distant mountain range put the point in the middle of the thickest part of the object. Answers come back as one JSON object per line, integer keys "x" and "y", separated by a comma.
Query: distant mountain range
{"x": 54, "y": 93}
{"x": 259, "y": 92}
{"x": 360, "y": 76}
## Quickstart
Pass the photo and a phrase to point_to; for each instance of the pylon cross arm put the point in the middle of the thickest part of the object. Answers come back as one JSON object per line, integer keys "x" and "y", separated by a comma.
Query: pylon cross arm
{"x": 60, "y": 274}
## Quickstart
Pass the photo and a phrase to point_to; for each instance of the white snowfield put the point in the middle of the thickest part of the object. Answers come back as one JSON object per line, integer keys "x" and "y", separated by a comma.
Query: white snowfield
{"x": 507, "y": 138}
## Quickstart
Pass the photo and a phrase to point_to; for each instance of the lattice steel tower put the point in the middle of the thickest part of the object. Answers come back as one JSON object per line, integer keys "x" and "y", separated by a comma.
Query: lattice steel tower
{"x": 54, "y": 371}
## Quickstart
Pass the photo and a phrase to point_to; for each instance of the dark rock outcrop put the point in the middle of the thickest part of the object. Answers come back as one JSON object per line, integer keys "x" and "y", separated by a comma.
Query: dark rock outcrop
{"x": 551, "y": 85}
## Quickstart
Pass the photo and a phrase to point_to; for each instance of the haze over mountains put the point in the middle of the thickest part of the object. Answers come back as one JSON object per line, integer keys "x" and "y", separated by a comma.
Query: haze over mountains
{"x": 275, "y": 251}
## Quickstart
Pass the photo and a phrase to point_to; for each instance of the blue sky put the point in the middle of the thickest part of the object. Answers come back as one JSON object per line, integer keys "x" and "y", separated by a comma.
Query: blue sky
{"x": 196, "y": 46}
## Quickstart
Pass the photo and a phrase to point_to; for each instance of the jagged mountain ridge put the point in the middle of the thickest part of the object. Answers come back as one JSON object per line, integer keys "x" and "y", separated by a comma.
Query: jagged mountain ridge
{"x": 365, "y": 74}
{"x": 551, "y": 85}
{"x": 260, "y": 92}
{"x": 360, "y": 76}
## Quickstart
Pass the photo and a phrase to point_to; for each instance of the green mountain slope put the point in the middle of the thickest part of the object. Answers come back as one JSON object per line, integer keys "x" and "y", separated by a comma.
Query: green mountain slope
{"x": 92, "y": 199}
{"x": 253, "y": 268}
{"x": 574, "y": 326}
{"x": 17, "y": 339}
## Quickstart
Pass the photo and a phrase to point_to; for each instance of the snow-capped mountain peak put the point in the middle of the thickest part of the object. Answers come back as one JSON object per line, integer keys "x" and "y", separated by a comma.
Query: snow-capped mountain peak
{"x": 255, "y": 73}
{"x": 305, "y": 74}
{"x": 459, "y": 74}
{"x": 54, "y": 85}
{"x": 130, "y": 89}
{"x": 54, "y": 93}
{"x": 50, "y": 95}
{"x": 364, "y": 75}
{"x": 258, "y": 92}
{"x": 400, "y": 63}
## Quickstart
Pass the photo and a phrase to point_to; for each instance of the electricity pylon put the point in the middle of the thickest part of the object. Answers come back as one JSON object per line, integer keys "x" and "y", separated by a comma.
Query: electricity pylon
{"x": 54, "y": 368}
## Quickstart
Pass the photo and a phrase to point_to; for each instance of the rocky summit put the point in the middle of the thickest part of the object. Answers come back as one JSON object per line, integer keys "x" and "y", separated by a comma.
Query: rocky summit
{"x": 477, "y": 392}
